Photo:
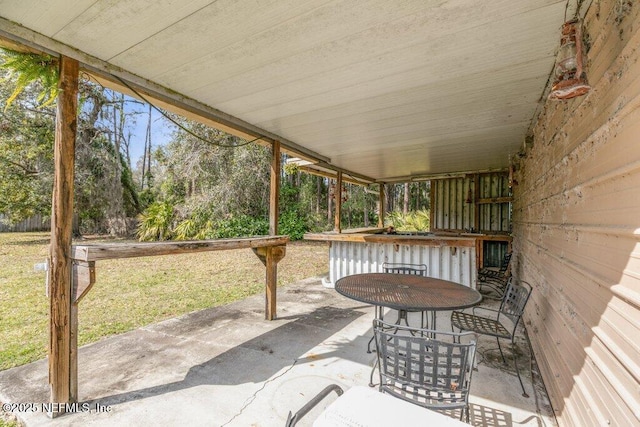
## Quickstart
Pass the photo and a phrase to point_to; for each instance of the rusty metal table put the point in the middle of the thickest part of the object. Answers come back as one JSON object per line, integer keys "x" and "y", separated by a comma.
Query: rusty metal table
{"x": 407, "y": 292}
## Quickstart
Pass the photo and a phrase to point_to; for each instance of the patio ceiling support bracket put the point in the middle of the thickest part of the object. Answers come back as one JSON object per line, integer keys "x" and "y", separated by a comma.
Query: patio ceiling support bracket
{"x": 63, "y": 312}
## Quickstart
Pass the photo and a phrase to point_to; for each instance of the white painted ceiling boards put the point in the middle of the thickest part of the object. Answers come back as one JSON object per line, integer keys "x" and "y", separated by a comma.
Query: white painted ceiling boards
{"x": 383, "y": 88}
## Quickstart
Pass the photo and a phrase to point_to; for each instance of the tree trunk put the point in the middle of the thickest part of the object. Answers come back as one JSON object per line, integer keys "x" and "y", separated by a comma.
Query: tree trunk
{"x": 116, "y": 221}
{"x": 318, "y": 194}
{"x": 365, "y": 210}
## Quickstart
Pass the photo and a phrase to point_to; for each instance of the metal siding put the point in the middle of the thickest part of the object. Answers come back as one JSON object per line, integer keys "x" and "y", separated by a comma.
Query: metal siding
{"x": 452, "y": 212}
{"x": 444, "y": 262}
{"x": 576, "y": 237}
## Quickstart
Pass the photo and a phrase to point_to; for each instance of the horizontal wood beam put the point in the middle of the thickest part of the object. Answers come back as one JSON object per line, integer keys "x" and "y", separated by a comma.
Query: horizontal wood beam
{"x": 131, "y": 250}
{"x": 393, "y": 239}
{"x": 494, "y": 200}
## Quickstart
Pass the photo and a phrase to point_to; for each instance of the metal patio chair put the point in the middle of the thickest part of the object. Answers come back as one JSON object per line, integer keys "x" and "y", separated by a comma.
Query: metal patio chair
{"x": 501, "y": 323}
{"x": 496, "y": 281}
{"x": 402, "y": 268}
{"x": 428, "y": 368}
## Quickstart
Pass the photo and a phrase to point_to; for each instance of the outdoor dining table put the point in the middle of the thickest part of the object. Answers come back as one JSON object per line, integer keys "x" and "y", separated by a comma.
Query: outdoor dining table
{"x": 407, "y": 292}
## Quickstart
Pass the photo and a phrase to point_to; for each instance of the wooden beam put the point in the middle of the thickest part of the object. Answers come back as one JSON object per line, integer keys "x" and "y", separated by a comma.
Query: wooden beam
{"x": 381, "y": 209}
{"x": 278, "y": 253}
{"x": 274, "y": 189}
{"x": 433, "y": 212}
{"x": 97, "y": 252}
{"x": 84, "y": 277}
{"x": 272, "y": 283}
{"x": 271, "y": 258}
{"x": 495, "y": 200}
{"x": 337, "y": 227}
{"x": 61, "y": 317}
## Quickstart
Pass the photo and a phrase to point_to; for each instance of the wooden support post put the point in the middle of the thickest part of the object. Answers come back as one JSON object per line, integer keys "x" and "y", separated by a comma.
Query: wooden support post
{"x": 274, "y": 209}
{"x": 62, "y": 316}
{"x": 433, "y": 209}
{"x": 272, "y": 283}
{"x": 274, "y": 190}
{"x": 381, "y": 209}
{"x": 338, "y": 195}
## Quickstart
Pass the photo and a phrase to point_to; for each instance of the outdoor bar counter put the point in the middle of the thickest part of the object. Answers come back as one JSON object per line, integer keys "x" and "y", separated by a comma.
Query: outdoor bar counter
{"x": 449, "y": 256}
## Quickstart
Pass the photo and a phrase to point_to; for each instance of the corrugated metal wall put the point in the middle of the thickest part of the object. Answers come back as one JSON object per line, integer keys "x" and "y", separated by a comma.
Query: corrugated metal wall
{"x": 457, "y": 264}
{"x": 577, "y": 231}
{"x": 494, "y": 216}
{"x": 450, "y": 210}
{"x": 456, "y": 199}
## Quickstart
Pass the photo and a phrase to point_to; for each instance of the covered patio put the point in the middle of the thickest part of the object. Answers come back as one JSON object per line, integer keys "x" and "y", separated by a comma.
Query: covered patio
{"x": 382, "y": 92}
{"x": 227, "y": 366}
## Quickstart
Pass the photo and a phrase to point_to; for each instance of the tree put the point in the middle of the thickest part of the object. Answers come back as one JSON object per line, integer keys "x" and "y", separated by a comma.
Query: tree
{"x": 104, "y": 188}
{"x": 26, "y": 155}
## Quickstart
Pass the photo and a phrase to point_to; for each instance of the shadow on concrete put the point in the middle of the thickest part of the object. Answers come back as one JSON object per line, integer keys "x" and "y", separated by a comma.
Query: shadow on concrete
{"x": 259, "y": 359}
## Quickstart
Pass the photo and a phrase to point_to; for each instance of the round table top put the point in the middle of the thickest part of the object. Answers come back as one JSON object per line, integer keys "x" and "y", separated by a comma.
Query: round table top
{"x": 407, "y": 292}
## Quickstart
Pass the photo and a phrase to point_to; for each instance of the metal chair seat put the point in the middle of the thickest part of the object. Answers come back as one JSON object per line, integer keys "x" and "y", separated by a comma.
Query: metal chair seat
{"x": 480, "y": 325}
{"x": 511, "y": 309}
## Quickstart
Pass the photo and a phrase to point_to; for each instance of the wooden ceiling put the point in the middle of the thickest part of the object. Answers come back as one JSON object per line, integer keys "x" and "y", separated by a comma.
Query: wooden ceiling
{"x": 384, "y": 89}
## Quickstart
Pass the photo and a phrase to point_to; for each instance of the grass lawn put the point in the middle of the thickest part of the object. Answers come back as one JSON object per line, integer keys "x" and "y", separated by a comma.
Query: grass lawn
{"x": 130, "y": 293}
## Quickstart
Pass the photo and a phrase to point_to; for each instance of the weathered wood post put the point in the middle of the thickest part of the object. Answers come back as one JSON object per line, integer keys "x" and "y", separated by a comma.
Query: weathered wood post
{"x": 338, "y": 195}
{"x": 61, "y": 321}
{"x": 274, "y": 207}
{"x": 381, "y": 207}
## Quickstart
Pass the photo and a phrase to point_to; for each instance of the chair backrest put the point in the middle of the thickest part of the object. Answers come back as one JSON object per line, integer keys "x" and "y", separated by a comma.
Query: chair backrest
{"x": 429, "y": 368}
{"x": 404, "y": 268}
{"x": 505, "y": 263}
{"x": 514, "y": 301}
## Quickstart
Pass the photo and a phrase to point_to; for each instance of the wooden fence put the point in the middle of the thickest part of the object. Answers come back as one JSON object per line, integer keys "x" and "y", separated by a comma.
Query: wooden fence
{"x": 35, "y": 223}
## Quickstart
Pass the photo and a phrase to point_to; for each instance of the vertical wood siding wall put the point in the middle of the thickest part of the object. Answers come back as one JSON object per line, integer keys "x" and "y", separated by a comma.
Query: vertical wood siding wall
{"x": 577, "y": 231}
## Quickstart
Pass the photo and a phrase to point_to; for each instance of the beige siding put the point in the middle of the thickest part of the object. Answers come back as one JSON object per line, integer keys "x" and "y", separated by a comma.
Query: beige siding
{"x": 576, "y": 222}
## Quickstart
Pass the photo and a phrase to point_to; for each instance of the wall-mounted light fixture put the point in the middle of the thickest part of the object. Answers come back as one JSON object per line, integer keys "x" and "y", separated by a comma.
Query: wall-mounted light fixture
{"x": 570, "y": 77}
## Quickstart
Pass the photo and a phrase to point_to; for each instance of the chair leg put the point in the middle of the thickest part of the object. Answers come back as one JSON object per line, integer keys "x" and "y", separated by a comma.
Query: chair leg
{"x": 501, "y": 353}
{"x": 515, "y": 362}
{"x": 371, "y": 384}
{"x": 369, "y": 344}
{"x": 378, "y": 314}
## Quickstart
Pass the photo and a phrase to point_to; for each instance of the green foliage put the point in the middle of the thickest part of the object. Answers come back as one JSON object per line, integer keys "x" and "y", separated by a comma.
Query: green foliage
{"x": 27, "y": 68}
{"x": 26, "y": 156}
{"x": 155, "y": 223}
{"x": 240, "y": 226}
{"x": 413, "y": 221}
{"x": 293, "y": 224}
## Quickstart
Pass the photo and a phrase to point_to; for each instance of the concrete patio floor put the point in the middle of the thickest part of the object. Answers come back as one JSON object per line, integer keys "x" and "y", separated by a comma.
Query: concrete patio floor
{"x": 227, "y": 366}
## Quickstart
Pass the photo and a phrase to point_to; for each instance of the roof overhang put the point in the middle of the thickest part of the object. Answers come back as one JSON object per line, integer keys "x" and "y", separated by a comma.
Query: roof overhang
{"x": 381, "y": 91}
